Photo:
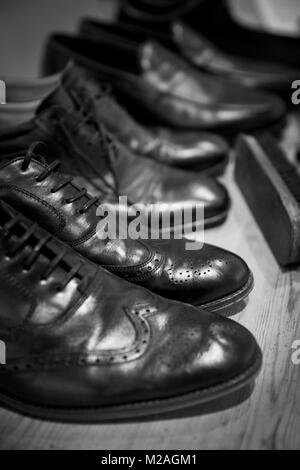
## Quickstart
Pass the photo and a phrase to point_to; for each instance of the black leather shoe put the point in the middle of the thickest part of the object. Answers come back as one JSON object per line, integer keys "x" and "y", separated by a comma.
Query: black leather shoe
{"x": 75, "y": 135}
{"x": 197, "y": 151}
{"x": 210, "y": 277}
{"x": 191, "y": 151}
{"x": 164, "y": 89}
{"x": 203, "y": 54}
{"x": 85, "y": 346}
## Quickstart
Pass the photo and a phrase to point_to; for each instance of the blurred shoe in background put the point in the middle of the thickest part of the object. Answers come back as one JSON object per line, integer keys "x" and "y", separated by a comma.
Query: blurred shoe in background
{"x": 209, "y": 277}
{"x": 164, "y": 89}
{"x": 201, "y": 53}
{"x": 76, "y": 135}
{"x": 230, "y": 25}
{"x": 198, "y": 151}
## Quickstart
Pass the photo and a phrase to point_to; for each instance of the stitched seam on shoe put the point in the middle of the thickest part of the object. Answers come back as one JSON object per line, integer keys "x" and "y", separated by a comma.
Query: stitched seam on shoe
{"x": 84, "y": 239}
{"x": 138, "y": 266}
{"x": 142, "y": 277}
{"x": 62, "y": 222}
{"x": 253, "y": 368}
{"x": 66, "y": 361}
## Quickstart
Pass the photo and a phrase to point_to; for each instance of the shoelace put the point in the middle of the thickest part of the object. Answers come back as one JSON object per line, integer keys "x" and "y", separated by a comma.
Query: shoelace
{"x": 103, "y": 90}
{"x": 100, "y": 91}
{"x": 101, "y": 135}
{"x": 37, "y": 249}
{"x": 52, "y": 168}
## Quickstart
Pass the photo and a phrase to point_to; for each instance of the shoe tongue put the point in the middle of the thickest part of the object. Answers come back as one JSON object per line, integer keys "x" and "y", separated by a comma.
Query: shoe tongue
{"x": 73, "y": 75}
{"x": 59, "y": 97}
{"x": 75, "y": 78}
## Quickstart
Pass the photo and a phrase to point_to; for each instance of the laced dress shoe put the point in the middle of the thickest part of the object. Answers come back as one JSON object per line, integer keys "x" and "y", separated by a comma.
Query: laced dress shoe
{"x": 209, "y": 277}
{"x": 84, "y": 346}
{"x": 75, "y": 135}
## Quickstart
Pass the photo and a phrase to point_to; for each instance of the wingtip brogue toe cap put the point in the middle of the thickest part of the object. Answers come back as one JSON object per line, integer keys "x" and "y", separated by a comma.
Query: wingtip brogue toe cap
{"x": 212, "y": 277}
{"x": 199, "y": 357}
{"x": 228, "y": 273}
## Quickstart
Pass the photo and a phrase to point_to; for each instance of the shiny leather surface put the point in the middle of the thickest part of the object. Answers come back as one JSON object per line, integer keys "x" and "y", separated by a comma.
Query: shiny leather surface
{"x": 163, "y": 85}
{"x": 162, "y": 266}
{"x": 101, "y": 341}
{"x": 202, "y": 53}
{"x": 186, "y": 150}
{"x": 199, "y": 151}
{"x": 206, "y": 56}
{"x": 76, "y": 137}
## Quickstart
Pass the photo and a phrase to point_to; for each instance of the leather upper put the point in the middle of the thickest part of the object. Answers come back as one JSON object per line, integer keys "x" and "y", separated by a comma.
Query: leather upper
{"x": 200, "y": 52}
{"x": 97, "y": 340}
{"x": 185, "y": 150}
{"x": 69, "y": 213}
{"x": 205, "y": 55}
{"x": 153, "y": 80}
{"x": 78, "y": 139}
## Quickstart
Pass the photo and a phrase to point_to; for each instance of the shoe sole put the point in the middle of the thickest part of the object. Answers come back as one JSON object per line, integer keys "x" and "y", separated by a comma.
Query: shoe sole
{"x": 218, "y": 169}
{"x": 229, "y": 300}
{"x": 216, "y": 220}
{"x": 137, "y": 409}
{"x": 210, "y": 222}
{"x": 214, "y": 170}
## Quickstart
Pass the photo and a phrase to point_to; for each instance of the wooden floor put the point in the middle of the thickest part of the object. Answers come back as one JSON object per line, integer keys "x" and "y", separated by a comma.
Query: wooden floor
{"x": 268, "y": 419}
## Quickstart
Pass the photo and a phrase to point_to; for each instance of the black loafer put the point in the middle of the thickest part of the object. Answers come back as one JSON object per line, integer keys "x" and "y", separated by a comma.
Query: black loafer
{"x": 203, "y": 54}
{"x": 164, "y": 89}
